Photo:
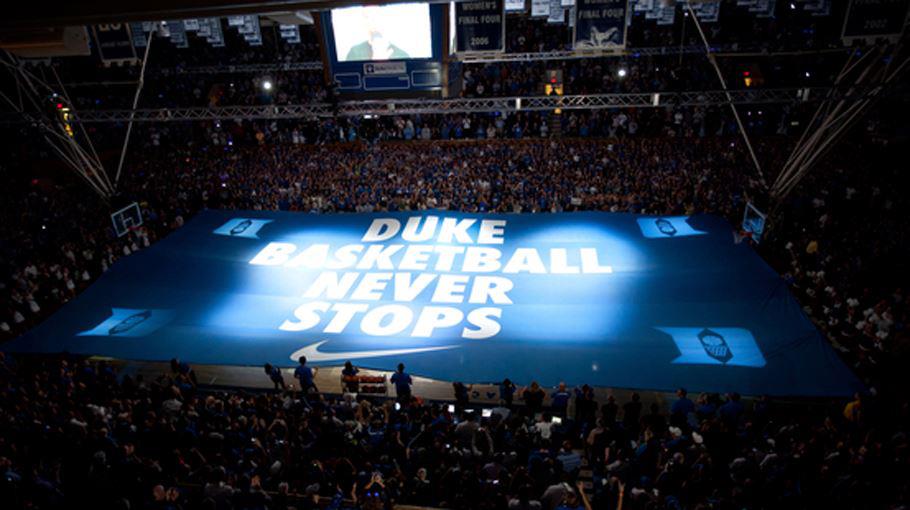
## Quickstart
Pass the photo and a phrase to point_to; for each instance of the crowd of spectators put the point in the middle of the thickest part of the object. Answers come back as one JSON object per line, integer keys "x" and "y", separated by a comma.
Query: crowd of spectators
{"x": 669, "y": 121}
{"x": 78, "y": 433}
{"x": 180, "y": 88}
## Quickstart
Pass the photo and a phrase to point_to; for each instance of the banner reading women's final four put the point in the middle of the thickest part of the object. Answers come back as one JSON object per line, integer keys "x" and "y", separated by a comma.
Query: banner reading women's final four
{"x": 480, "y": 26}
{"x": 605, "y": 299}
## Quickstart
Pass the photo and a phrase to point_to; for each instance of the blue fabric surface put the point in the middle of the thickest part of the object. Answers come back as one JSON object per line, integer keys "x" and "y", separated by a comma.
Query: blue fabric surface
{"x": 606, "y": 299}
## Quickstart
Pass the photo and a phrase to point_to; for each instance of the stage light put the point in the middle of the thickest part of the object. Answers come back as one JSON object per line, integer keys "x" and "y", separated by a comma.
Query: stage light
{"x": 622, "y": 72}
{"x": 808, "y": 74}
{"x": 266, "y": 85}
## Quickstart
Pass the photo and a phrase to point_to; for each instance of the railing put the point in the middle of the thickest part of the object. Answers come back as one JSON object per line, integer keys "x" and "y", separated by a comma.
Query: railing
{"x": 443, "y": 106}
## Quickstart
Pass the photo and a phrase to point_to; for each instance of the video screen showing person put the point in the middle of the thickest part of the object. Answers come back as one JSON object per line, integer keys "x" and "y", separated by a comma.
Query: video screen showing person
{"x": 387, "y": 32}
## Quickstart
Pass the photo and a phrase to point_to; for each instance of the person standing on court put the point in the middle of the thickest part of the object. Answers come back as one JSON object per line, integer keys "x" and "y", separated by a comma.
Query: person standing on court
{"x": 304, "y": 375}
{"x": 349, "y": 377}
{"x": 402, "y": 382}
{"x": 559, "y": 400}
{"x": 507, "y": 391}
{"x": 274, "y": 374}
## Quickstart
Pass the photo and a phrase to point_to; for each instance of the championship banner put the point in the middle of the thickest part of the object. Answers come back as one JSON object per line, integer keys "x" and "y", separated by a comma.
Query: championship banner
{"x": 177, "y": 34}
{"x": 707, "y": 11}
{"x": 763, "y": 8}
{"x": 874, "y": 19}
{"x": 215, "y": 35}
{"x": 514, "y": 5}
{"x": 139, "y": 34}
{"x": 557, "y": 13}
{"x": 540, "y": 8}
{"x": 115, "y": 43}
{"x": 600, "y": 24}
{"x": 480, "y": 26}
{"x": 611, "y": 300}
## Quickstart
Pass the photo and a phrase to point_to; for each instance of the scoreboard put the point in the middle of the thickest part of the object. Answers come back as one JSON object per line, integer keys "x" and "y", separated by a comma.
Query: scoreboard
{"x": 386, "y": 50}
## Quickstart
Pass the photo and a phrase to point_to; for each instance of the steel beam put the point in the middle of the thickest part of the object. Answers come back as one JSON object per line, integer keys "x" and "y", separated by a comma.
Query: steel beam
{"x": 443, "y": 106}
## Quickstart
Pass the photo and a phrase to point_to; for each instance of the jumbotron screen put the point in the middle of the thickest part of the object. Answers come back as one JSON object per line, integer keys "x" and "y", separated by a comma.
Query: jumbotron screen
{"x": 388, "y": 32}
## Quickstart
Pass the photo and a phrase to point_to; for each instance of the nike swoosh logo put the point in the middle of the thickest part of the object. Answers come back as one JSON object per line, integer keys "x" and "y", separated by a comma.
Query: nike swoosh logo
{"x": 313, "y": 353}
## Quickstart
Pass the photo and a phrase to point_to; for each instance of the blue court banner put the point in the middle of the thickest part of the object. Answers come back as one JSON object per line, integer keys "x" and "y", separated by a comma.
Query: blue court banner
{"x": 600, "y": 24}
{"x": 611, "y": 300}
{"x": 480, "y": 26}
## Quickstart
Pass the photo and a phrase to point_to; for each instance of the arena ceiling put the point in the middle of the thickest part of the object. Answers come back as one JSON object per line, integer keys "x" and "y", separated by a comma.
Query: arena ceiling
{"x": 56, "y": 13}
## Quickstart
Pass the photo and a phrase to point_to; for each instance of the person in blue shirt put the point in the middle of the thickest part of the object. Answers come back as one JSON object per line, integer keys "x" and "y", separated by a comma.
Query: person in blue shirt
{"x": 705, "y": 407}
{"x": 402, "y": 382}
{"x": 559, "y": 400}
{"x": 304, "y": 374}
{"x": 681, "y": 408}
{"x": 570, "y": 459}
{"x": 732, "y": 410}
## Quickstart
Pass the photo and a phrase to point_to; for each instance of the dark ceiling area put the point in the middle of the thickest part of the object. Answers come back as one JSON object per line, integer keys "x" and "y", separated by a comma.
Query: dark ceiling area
{"x": 43, "y": 14}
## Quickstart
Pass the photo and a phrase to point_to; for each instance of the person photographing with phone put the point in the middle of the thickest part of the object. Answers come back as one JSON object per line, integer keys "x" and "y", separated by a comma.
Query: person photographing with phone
{"x": 374, "y": 493}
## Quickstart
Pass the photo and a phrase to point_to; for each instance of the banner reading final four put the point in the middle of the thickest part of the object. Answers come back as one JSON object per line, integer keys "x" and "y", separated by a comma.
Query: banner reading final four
{"x": 480, "y": 26}
{"x": 600, "y": 24}
{"x": 606, "y": 299}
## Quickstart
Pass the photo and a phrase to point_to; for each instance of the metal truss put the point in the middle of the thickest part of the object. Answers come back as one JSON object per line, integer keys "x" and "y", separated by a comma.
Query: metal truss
{"x": 45, "y": 104}
{"x": 460, "y": 105}
{"x": 868, "y": 75}
{"x": 481, "y": 58}
{"x": 251, "y": 68}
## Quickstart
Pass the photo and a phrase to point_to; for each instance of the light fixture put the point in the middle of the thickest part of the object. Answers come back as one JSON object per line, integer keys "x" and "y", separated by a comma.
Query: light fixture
{"x": 266, "y": 85}
{"x": 622, "y": 72}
